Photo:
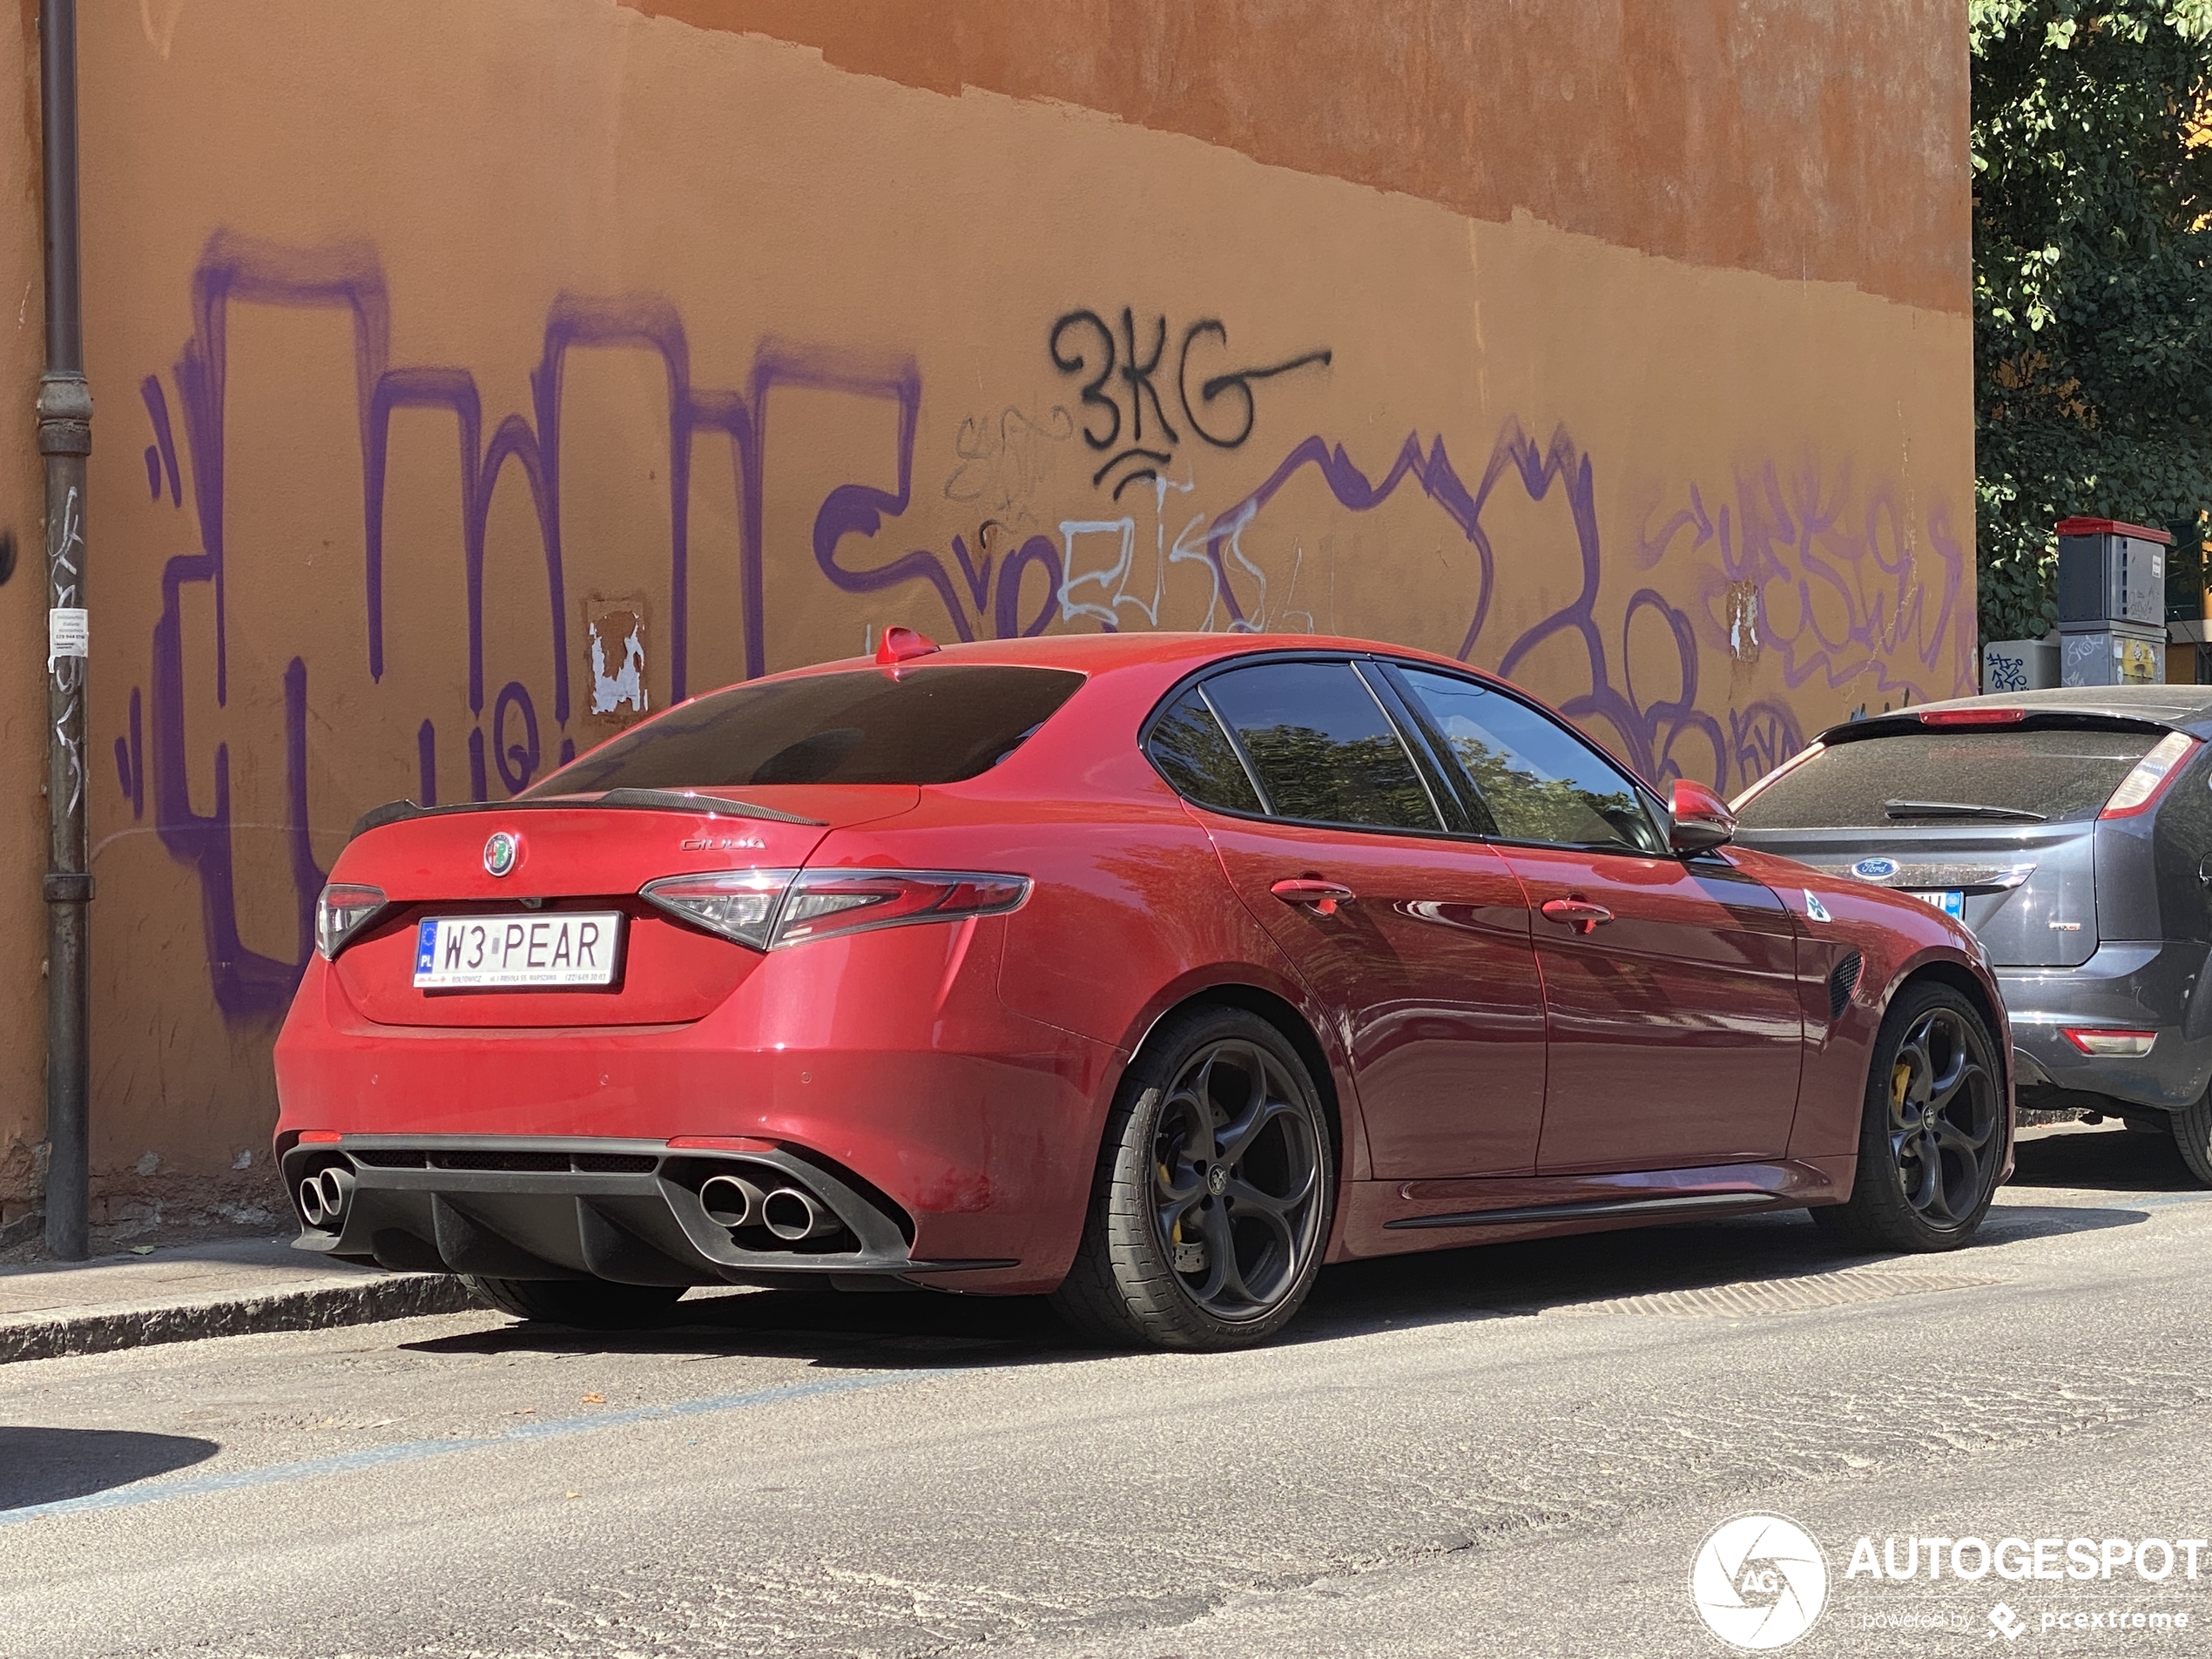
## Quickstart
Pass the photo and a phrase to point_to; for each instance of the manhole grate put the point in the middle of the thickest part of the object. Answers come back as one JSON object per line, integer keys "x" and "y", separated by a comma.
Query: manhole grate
{"x": 1802, "y": 1295}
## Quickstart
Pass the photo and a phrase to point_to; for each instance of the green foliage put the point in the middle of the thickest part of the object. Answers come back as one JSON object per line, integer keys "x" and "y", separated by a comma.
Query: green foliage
{"x": 2093, "y": 280}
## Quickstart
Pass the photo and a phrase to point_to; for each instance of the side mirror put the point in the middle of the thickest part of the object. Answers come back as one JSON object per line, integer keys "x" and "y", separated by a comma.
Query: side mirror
{"x": 1701, "y": 818}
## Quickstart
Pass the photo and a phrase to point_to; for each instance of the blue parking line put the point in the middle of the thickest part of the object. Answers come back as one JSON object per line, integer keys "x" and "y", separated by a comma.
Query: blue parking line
{"x": 411, "y": 1450}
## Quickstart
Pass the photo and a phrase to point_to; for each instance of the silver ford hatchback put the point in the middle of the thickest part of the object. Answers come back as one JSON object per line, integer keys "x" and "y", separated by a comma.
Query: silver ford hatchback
{"x": 2072, "y": 831}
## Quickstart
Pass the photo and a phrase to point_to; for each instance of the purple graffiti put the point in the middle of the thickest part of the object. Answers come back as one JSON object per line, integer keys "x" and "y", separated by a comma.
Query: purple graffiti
{"x": 235, "y": 270}
{"x": 1648, "y": 731}
{"x": 1840, "y": 591}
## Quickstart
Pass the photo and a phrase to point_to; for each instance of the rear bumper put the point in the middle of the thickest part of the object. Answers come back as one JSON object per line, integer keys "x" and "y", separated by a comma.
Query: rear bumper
{"x": 914, "y": 1083}
{"x": 2149, "y": 986}
{"x": 564, "y": 1208}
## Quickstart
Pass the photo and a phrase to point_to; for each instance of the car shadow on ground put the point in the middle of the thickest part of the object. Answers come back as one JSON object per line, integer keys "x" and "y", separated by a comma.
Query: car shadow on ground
{"x": 48, "y": 1465}
{"x": 920, "y": 1330}
{"x": 2104, "y": 1159}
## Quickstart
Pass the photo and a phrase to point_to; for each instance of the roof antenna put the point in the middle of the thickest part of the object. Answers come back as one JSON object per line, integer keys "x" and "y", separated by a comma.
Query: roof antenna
{"x": 902, "y": 644}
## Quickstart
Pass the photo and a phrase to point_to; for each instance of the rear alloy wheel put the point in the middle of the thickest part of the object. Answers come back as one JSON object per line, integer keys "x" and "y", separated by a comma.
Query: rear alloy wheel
{"x": 1215, "y": 1186}
{"x": 1933, "y": 1141}
{"x": 587, "y": 1304}
{"x": 2193, "y": 1137}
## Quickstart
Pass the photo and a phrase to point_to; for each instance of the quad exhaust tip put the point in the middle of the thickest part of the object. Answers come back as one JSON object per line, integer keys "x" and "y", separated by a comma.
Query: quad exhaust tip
{"x": 324, "y": 1197}
{"x": 792, "y": 1215}
{"x": 732, "y": 1201}
{"x": 789, "y": 1214}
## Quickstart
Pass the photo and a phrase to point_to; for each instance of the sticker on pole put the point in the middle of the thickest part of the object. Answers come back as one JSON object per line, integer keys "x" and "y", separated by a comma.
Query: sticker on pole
{"x": 68, "y": 633}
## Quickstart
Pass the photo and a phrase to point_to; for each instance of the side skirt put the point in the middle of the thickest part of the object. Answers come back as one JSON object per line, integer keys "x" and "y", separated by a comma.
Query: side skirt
{"x": 1393, "y": 1218}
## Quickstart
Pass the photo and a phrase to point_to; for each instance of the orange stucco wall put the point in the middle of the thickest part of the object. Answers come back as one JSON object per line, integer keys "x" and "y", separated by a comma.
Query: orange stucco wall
{"x": 1623, "y": 347}
{"x": 23, "y": 628}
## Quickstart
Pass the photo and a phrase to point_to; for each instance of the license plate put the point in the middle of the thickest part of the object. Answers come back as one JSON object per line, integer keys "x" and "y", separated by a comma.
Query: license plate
{"x": 567, "y": 947}
{"x": 1952, "y": 903}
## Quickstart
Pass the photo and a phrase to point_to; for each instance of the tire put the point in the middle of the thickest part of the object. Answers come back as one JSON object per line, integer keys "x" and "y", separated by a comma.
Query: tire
{"x": 1217, "y": 1130}
{"x": 587, "y": 1304}
{"x": 2193, "y": 1138}
{"x": 1932, "y": 1139}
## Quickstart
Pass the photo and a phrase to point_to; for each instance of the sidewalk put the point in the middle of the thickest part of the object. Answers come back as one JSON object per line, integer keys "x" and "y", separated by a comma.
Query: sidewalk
{"x": 176, "y": 1293}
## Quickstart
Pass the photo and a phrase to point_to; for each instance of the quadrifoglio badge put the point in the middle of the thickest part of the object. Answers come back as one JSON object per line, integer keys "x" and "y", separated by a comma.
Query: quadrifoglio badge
{"x": 1760, "y": 1583}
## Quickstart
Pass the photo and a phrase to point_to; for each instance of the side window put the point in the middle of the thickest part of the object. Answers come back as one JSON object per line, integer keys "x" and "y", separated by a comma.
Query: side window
{"x": 1194, "y": 754}
{"x": 1537, "y": 781}
{"x": 1324, "y": 750}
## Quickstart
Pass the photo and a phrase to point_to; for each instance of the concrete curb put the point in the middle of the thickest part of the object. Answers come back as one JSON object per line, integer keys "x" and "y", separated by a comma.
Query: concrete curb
{"x": 401, "y": 1295}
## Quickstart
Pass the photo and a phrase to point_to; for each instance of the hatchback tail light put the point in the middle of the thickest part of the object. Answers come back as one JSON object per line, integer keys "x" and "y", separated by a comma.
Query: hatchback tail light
{"x": 2105, "y": 1044}
{"x": 769, "y": 909}
{"x": 2140, "y": 790}
{"x": 342, "y": 911}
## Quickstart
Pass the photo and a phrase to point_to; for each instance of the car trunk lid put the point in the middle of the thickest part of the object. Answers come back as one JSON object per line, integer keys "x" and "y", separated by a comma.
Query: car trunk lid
{"x": 2029, "y": 895}
{"x": 580, "y": 854}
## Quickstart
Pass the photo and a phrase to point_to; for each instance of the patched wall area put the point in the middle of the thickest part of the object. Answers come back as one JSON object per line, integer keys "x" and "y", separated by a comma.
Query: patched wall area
{"x": 473, "y": 379}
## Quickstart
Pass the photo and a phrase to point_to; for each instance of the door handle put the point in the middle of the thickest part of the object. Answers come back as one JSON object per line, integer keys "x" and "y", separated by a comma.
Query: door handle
{"x": 1582, "y": 916}
{"x": 1323, "y": 896}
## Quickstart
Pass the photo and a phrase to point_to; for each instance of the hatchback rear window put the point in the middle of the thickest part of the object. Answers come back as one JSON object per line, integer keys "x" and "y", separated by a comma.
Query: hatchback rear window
{"x": 929, "y": 725}
{"x": 1880, "y": 783}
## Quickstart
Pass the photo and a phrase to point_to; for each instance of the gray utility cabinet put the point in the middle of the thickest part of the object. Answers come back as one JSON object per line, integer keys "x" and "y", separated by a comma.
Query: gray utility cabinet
{"x": 2121, "y": 653}
{"x": 2111, "y": 573}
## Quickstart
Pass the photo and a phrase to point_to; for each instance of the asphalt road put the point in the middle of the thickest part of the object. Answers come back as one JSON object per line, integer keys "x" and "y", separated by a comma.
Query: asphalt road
{"x": 1513, "y": 1450}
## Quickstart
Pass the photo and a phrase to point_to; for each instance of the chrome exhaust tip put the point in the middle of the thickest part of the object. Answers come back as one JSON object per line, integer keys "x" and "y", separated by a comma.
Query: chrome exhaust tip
{"x": 792, "y": 1215}
{"x": 731, "y": 1201}
{"x": 311, "y": 1200}
{"x": 334, "y": 1191}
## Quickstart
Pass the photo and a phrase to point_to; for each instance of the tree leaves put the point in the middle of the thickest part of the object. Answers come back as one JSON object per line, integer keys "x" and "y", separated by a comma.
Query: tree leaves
{"x": 2093, "y": 299}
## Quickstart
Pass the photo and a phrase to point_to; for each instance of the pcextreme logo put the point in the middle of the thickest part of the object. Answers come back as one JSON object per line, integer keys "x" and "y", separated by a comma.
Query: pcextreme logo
{"x": 1759, "y": 1582}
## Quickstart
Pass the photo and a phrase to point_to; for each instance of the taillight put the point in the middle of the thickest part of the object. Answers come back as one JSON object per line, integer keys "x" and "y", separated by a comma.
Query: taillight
{"x": 738, "y": 904}
{"x": 342, "y": 911}
{"x": 1785, "y": 768}
{"x": 823, "y": 902}
{"x": 2105, "y": 1044}
{"x": 2142, "y": 786}
{"x": 769, "y": 909}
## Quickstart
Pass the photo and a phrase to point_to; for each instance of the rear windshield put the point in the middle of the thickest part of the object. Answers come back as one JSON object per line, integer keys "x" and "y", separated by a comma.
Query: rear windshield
{"x": 1881, "y": 783}
{"x": 929, "y": 725}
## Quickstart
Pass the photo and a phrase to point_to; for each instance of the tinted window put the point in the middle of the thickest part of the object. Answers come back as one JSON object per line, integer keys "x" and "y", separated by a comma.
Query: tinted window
{"x": 1194, "y": 754}
{"x": 1535, "y": 780}
{"x": 1322, "y": 747}
{"x": 928, "y": 726}
{"x": 2052, "y": 775}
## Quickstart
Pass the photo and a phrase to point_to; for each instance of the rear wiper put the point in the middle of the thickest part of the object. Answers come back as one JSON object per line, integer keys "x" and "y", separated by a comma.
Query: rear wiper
{"x": 1957, "y": 809}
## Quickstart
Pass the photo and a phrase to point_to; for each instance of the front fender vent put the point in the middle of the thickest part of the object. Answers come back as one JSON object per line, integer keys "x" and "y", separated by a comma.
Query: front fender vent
{"x": 1843, "y": 979}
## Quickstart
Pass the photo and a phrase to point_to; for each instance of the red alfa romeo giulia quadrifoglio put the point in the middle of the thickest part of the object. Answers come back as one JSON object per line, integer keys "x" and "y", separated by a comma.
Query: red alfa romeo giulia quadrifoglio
{"x": 1151, "y": 971}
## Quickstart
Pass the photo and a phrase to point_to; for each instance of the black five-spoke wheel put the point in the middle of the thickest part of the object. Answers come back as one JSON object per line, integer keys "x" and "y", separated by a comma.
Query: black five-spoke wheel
{"x": 1236, "y": 1186}
{"x": 1934, "y": 1139}
{"x": 1212, "y": 1206}
{"x": 1943, "y": 1119}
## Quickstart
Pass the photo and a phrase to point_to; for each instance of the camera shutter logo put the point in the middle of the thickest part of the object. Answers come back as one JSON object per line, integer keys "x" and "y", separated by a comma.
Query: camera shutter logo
{"x": 501, "y": 851}
{"x": 1759, "y": 1582}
